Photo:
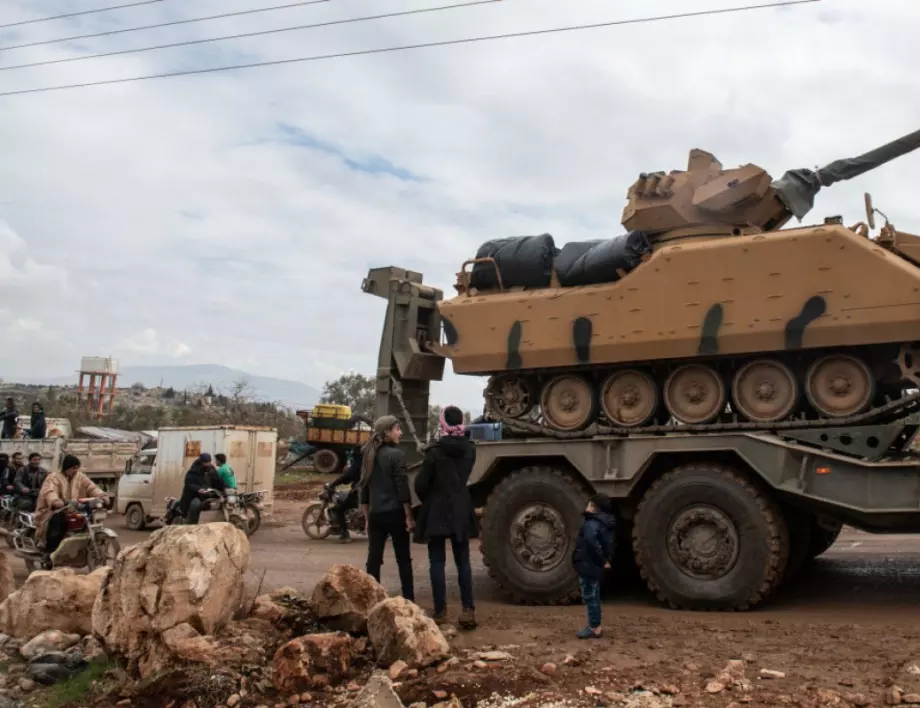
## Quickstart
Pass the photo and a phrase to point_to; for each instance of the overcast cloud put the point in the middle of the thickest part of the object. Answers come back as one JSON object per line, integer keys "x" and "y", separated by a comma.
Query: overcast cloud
{"x": 229, "y": 218}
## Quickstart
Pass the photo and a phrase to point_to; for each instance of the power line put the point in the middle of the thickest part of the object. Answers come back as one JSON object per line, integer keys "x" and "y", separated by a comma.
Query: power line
{"x": 350, "y": 20}
{"x": 424, "y": 45}
{"x": 77, "y": 14}
{"x": 74, "y": 38}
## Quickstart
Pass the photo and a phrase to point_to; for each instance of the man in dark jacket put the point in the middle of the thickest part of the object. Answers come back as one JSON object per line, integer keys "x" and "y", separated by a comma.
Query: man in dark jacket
{"x": 387, "y": 501}
{"x": 38, "y": 428}
{"x": 7, "y": 475}
{"x": 593, "y": 551}
{"x": 201, "y": 477}
{"x": 9, "y": 420}
{"x": 29, "y": 481}
{"x": 447, "y": 512}
{"x": 351, "y": 476}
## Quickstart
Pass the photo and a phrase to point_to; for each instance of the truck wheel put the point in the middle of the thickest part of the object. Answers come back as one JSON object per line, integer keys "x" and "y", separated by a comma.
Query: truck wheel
{"x": 822, "y": 538}
{"x": 134, "y": 518}
{"x": 706, "y": 539}
{"x": 529, "y": 527}
{"x": 326, "y": 461}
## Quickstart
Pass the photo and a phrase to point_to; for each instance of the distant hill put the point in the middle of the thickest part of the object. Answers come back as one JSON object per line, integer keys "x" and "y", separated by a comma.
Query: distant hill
{"x": 292, "y": 394}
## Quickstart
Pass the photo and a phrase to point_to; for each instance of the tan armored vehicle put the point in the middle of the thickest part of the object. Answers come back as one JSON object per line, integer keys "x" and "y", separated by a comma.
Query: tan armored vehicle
{"x": 705, "y": 313}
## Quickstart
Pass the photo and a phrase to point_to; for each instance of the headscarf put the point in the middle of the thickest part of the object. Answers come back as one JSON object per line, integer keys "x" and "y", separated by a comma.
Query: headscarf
{"x": 383, "y": 426}
{"x": 453, "y": 427}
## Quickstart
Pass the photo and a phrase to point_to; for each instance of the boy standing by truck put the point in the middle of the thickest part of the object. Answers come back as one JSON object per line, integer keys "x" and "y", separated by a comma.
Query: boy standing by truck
{"x": 593, "y": 551}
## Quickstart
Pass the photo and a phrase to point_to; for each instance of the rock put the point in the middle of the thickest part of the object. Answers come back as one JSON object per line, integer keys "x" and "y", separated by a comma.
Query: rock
{"x": 306, "y": 697}
{"x": 770, "y": 674}
{"x": 858, "y": 699}
{"x": 265, "y": 608}
{"x": 397, "y": 668}
{"x": 549, "y": 669}
{"x": 893, "y": 696}
{"x": 591, "y": 691}
{"x": 26, "y": 685}
{"x": 670, "y": 690}
{"x": 179, "y": 575}
{"x": 398, "y": 629}
{"x": 48, "y": 641}
{"x": 312, "y": 661}
{"x": 233, "y": 700}
{"x": 440, "y": 695}
{"x": 715, "y": 687}
{"x": 7, "y": 585}
{"x": 377, "y": 693}
{"x": 911, "y": 699}
{"x": 345, "y": 596}
{"x": 53, "y": 667}
{"x": 480, "y": 664}
{"x": 494, "y": 656}
{"x": 442, "y": 668}
{"x": 92, "y": 649}
{"x": 419, "y": 704}
{"x": 236, "y": 645}
{"x": 52, "y": 599}
{"x": 570, "y": 660}
{"x": 352, "y": 687}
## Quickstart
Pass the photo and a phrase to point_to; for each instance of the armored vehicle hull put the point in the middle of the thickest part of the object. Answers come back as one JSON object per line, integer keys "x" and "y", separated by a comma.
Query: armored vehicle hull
{"x": 808, "y": 321}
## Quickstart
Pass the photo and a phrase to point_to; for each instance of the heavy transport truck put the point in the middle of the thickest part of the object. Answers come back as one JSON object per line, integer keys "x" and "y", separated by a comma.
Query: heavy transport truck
{"x": 740, "y": 390}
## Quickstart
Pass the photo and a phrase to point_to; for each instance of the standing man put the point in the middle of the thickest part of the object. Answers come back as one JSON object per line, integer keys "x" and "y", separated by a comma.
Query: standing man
{"x": 29, "y": 481}
{"x": 9, "y": 420}
{"x": 38, "y": 427}
{"x": 387, "y": 502}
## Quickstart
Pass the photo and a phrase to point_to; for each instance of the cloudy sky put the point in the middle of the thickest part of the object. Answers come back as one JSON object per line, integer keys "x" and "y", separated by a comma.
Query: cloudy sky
{"x": 229, "y": 218}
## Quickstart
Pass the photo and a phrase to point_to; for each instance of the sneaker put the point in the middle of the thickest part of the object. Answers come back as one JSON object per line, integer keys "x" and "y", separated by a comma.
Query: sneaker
{"x": 467, "y": 619}
{"x": 439, "y": 617}
{"x": 589, "y": 633}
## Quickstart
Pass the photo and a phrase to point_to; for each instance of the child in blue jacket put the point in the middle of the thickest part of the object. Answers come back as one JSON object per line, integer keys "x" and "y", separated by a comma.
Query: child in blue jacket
{"x": 593, "y": 551}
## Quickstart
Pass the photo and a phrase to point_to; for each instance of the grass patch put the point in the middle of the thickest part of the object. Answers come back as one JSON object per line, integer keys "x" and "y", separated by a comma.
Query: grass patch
{"x": 291, "y": 476}
{"x": 75, "y": 690}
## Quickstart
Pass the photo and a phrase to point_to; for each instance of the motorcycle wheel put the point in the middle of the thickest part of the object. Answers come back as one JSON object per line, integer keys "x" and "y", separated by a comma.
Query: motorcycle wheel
{"x": 254, "y": 516}
{"x": 314, "y": 523}
{"x": 240, "y": 522}
{"x": 109, "y": 549}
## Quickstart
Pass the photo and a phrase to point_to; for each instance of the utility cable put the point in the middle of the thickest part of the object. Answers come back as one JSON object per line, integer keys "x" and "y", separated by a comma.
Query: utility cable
{"x": 77, "y": 14}
{"x": 350, "y": 20}
{"x": 424, "y": 45}
{"x": 107, "y": 33}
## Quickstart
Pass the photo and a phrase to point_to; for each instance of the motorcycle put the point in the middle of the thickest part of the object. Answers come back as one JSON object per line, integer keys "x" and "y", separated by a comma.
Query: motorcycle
{"x": 9, "y": 517}
{"x": 87, "y": 542}
{"x": 229, "y": 506}
{"x": 251, "y": 505}
{"x": 318, "y": 521}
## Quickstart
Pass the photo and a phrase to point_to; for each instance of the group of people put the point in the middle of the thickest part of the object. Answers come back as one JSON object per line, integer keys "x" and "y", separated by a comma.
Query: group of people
{"x": 9, "y": 422}
{"x": 201, "y": 480}
{"x": 380, "y": 484}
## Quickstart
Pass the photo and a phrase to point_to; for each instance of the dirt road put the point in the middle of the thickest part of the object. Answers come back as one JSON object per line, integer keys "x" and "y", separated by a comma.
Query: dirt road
{"x": 842, "y": 635}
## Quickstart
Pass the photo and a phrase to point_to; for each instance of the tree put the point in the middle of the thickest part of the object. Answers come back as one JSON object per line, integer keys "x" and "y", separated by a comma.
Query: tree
{"x": 354, "y": 390}
{"x": 210, "y": 391}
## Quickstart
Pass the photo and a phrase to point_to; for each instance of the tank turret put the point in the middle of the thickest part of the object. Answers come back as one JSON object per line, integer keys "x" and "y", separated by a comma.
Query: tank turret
{"x": 709, "y": 200}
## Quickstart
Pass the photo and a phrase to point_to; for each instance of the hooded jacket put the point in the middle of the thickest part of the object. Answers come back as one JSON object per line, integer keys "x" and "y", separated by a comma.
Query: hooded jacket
{"x": 38, "y": 427}
{"x": 594, "y": 545}
{"x": 447, "y": 509}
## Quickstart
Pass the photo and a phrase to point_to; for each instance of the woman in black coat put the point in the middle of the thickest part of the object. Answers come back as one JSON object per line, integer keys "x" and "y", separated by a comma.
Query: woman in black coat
{"x": 447, "y": 512}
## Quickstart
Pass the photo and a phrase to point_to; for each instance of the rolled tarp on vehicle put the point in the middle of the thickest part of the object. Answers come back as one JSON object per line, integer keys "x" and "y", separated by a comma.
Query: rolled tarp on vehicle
{"x": 523, "y": 261}
{"x": 600, "y": 261}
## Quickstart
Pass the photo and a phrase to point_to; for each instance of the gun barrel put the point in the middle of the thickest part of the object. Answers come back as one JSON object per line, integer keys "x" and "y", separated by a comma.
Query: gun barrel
{"x": 850, "y": 167}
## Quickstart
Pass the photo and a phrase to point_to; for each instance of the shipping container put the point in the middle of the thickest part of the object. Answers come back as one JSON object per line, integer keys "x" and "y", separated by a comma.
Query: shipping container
{"x": 155, "y": 474}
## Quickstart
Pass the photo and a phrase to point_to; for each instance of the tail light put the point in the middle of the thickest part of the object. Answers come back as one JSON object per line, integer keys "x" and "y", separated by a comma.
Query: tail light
{"x": 75, "y": 522}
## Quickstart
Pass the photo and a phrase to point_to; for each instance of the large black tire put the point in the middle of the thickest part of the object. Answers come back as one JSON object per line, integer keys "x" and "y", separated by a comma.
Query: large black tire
{"x": 705, "y": 501}
{"x": 327, "y": 461}
{"x": 556, "y": 502}
{"x": 822, "y": 539}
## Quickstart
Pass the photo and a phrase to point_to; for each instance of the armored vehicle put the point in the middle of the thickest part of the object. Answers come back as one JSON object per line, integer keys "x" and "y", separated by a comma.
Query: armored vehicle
{"x": 704, "y": 313}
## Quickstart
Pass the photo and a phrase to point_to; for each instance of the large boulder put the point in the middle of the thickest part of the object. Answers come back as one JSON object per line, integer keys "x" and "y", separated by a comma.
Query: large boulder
{"x": 343, "y": 598}
{"x": 52, "y": 599}
{"x": 7, "y": 585}
{"x": 314, "y": 661}
{"x": 180, "y": 575}
{"x": 236, "y": 645}
{"x": 399, "y": 630}
{"x": 48, "y": 641}
{"x": 377, "y": 693}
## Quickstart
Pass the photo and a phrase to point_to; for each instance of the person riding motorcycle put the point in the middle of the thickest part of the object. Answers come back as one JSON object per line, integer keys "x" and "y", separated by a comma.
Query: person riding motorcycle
{"x": 60, "y": 488}
{"x": 28, "y": 483}
{"x": 351, "y": 476}
{"x": 200, "y": 478}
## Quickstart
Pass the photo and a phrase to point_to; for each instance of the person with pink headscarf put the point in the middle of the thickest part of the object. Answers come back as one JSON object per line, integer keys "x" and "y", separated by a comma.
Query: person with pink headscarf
{"x": 447, "y": 512}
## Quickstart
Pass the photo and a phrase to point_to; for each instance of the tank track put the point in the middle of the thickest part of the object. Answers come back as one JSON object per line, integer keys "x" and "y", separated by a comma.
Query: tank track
{"x": 886, "y": 413}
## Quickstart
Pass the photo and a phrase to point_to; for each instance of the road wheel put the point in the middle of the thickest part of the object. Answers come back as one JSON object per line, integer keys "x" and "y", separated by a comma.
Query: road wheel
{"x": 134, "y": 518}
{"x": 314, "y": 522}
{"x": 528, "y": 534}
{"x": 706, "y": 539}
{"x": 822, "y": 538}
{"x": 326, "y": 461}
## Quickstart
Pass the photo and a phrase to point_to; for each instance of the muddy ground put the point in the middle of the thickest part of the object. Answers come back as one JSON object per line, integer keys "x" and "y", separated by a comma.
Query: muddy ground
{"x": 842, "y": 635}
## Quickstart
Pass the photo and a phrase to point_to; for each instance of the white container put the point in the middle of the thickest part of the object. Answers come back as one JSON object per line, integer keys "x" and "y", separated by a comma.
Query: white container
{"x": 99, "y": 365}
{"x": 155, "y": 475}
